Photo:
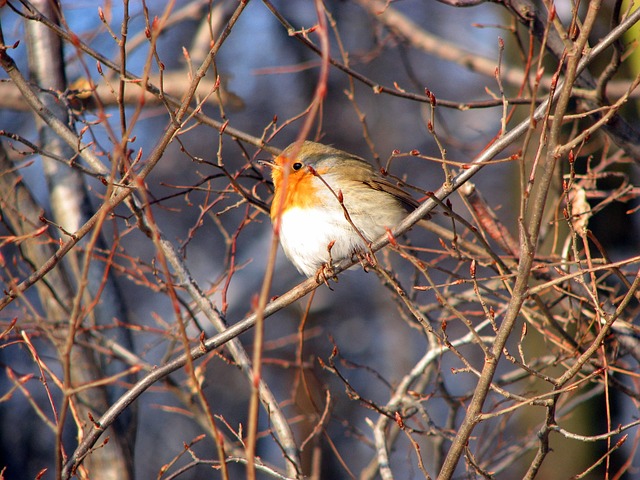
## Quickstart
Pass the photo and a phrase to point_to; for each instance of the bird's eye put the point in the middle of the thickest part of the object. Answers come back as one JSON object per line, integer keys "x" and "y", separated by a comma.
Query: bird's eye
{"x": 296, "y": 166}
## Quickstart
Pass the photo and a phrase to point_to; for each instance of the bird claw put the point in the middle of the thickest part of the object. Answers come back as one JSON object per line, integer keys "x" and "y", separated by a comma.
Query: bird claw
{"x": 366, "y": 258}
{"x": 324, "y": 273}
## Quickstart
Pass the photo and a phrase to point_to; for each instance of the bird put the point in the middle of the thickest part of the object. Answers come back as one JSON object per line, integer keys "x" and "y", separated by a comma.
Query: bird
{"x": 330, "y": 205}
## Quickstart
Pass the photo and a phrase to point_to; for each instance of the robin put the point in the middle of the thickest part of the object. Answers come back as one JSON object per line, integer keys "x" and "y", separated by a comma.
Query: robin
{"x": 332, "y": 204}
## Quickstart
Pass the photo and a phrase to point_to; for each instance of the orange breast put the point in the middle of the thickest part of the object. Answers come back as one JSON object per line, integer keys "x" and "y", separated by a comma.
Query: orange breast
{"x": 301, "y": 191}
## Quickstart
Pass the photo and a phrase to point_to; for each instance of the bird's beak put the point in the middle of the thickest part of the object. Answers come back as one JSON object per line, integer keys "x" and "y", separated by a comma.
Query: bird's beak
{"x": 267, "y": 163}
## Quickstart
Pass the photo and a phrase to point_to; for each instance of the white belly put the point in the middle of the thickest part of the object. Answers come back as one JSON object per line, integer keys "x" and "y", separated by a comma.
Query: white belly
{"x": 306, "y": 234}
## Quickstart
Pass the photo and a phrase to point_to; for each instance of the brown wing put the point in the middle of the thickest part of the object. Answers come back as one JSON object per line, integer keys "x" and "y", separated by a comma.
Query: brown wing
{"x": 354, "y": 168}
{"x": 361, "y": 170}
{"x": 380, "y": 183}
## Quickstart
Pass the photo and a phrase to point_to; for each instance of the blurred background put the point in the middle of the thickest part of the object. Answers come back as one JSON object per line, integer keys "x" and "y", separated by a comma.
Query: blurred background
{"x": 360, "y": 340}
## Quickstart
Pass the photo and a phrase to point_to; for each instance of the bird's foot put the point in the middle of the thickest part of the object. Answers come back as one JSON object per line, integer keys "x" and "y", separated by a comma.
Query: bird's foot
{"x": 325, "y": 273}
{"x": 366, "y": 258}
